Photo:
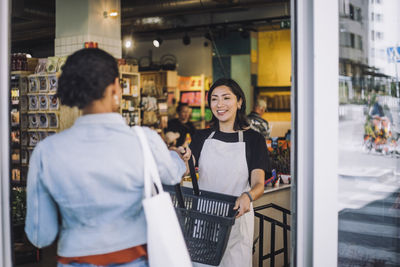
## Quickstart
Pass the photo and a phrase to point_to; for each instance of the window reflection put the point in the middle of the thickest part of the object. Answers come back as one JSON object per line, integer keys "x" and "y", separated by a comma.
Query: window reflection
{"x": 369, "y": 132}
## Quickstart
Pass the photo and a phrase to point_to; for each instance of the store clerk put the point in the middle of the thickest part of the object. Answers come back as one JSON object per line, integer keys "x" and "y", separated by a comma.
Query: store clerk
{"x": 232, "y": 159}
{"x": 92, "y": 173}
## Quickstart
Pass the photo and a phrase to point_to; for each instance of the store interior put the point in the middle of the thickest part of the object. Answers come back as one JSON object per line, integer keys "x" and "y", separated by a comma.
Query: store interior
{"x": 168, "y": 52}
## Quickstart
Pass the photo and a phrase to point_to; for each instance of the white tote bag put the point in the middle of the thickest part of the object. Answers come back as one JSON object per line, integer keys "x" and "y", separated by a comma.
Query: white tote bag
{"x": 165, "y": 243}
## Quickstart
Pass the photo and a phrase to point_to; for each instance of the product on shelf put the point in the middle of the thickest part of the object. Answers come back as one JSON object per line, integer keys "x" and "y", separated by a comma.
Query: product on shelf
{"x": 34, "y": 109}
{"x": 131, "y": 99}
{"x": 192, "y": 90}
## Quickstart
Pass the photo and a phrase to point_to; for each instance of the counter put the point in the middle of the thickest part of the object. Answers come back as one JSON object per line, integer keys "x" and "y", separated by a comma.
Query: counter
{"x": 270, "y": 189}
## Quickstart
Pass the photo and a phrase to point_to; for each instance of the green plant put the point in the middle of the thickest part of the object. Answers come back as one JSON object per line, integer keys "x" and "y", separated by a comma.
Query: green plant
{"x": 18, "y": 205}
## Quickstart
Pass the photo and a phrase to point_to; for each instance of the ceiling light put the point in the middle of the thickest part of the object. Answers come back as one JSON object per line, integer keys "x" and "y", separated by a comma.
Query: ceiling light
{"x": 128, "y": 43}
{"x": 186, "y": 39}
{"x": 113, "y": 13}
{"x": 157, "y": 42}
{"x": 152, "y": 20}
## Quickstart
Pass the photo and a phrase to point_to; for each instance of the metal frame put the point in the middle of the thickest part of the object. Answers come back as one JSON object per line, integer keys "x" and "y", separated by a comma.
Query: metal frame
{"x": 315, "y": 132}
{"x": 5, "y": 232}
{"x": 285, "y": 228}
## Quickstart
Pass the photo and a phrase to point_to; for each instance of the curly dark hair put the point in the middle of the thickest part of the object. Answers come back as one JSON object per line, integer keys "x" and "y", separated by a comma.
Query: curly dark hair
{"x": 241, "y": 121}
{"x": 85, "y": 76}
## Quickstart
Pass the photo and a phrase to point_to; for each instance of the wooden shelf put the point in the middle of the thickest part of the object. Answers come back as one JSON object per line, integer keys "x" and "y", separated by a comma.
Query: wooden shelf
{"x": 130, "y": 110}
{"x": 129, "y": 73}
{"x": 190, "y": 90}
{"x": 134, "y": 96}
{"x": 21, "y": 72}
{"x": 18, "y": 183}
{"x": 133, "y": 112}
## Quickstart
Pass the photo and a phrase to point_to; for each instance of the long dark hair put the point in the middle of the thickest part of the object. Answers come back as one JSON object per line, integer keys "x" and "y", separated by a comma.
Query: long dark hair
{"x": 241, "y": 119}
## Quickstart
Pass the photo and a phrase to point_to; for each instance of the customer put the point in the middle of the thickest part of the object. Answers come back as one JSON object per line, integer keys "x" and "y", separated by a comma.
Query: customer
{"x": 182, "y": 124}
{"x": 232, "y": 159}
{"x": 257, "y": 123}
{"x": 92, "y": 174}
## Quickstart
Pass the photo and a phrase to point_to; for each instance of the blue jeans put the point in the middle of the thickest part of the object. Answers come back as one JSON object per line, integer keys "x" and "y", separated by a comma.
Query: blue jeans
{"x": 141, "y": 262}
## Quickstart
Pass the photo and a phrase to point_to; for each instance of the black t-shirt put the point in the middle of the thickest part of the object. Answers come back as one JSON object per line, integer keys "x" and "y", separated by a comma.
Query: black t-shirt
{"x": 256, "y": 148}
{"x": 175, "y": 125}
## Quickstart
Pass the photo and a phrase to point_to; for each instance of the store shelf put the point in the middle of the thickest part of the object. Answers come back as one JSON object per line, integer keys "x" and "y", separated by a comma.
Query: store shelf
{"x": 192, "y": 90}
{"x": 21, "y": 84}
{"x": 21, "y": 72}
{"x": 156, "y": 86}
{"x": 131, "y": 98}
{"x": 18, "y": 183}
{"x": 130, "y": 110}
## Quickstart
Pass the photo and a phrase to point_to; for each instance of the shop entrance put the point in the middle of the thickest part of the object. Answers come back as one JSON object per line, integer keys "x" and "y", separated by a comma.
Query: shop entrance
{"x": 167, "y": 54}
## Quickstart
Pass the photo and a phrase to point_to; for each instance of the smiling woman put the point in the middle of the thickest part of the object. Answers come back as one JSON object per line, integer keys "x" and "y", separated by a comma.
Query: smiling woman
{"x": 233, "y": 161}
{"x": 228, "y": 98}
{"x": 224, "y": 105}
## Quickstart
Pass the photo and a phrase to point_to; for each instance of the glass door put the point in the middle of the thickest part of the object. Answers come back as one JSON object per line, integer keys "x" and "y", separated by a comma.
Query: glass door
{"x": 369, "y": 133}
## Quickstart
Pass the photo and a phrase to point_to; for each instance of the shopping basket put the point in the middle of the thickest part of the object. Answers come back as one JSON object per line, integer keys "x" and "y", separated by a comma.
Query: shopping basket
{"x": 206, "y": 219}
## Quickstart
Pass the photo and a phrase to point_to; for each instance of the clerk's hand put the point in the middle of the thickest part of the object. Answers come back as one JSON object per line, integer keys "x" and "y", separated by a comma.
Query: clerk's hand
{"x": 243, "y": 204}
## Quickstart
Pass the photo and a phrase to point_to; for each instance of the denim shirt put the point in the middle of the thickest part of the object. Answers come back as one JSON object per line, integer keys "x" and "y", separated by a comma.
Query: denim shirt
{"x": 92, "y": 176}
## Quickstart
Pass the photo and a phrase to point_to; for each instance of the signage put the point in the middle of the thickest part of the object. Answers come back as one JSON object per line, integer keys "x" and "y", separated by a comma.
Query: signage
{"x": 393, "y": 54}
{"x": 285, "y": 24}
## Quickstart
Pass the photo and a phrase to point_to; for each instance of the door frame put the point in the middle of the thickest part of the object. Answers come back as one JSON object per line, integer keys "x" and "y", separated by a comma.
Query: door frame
{"x": 315, "y": 132}
{"x": 5, "y": 232}
{"x": 315, "y": 123}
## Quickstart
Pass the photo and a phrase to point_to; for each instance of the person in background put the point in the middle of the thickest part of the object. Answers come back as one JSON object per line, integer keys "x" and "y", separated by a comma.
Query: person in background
{"x": 182, "y": 124}
{"x": 85, "y": 184}
{"x": 172, "y": 110}
{"x": 257, "y": 123}
{"x": 232, "y": 159}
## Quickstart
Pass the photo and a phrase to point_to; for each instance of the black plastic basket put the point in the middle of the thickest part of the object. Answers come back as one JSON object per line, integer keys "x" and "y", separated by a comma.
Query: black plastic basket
{"x": 206, "y": 219}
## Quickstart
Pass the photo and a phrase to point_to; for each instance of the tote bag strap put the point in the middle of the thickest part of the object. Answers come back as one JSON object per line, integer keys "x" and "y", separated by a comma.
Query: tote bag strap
{"x": 151, "y": 176}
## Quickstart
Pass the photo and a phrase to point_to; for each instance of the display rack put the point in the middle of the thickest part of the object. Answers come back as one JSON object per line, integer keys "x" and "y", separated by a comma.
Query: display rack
{"x": 193, "y": 91}
{"x": 156, "y": 86}
{"x": 19, "y": 159}
{"x": 131, "y": 98}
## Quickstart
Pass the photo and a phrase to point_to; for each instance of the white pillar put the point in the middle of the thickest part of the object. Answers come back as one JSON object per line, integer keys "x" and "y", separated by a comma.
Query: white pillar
{"x": 80, "y": 21}
{"x": 5, "y": 228}
{"x": 315, "y": 157}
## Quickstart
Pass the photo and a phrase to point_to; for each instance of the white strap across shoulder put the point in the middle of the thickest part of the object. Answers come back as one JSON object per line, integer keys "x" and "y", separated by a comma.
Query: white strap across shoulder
{"x": 211, "y": 135}
{"x": 150, "y": 168}
{"x": 240, "y": 136}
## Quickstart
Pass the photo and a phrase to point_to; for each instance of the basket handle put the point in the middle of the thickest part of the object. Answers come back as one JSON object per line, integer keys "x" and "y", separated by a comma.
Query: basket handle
{"x": 193, "y": 176}
{"x": 179, "y": 196}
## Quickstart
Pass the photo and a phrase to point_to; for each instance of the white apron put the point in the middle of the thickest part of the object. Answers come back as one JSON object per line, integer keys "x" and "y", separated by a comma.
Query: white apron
{"x": 223, "y": 169}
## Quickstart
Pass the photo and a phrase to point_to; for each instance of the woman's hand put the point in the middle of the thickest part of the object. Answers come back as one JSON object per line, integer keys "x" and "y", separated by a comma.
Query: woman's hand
{"x": 243, "y": 204}
{"x": 184, "y": 153}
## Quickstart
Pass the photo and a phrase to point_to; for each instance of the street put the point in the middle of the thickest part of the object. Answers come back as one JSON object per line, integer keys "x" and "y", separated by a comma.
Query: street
{"x": 368, "y": 199}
